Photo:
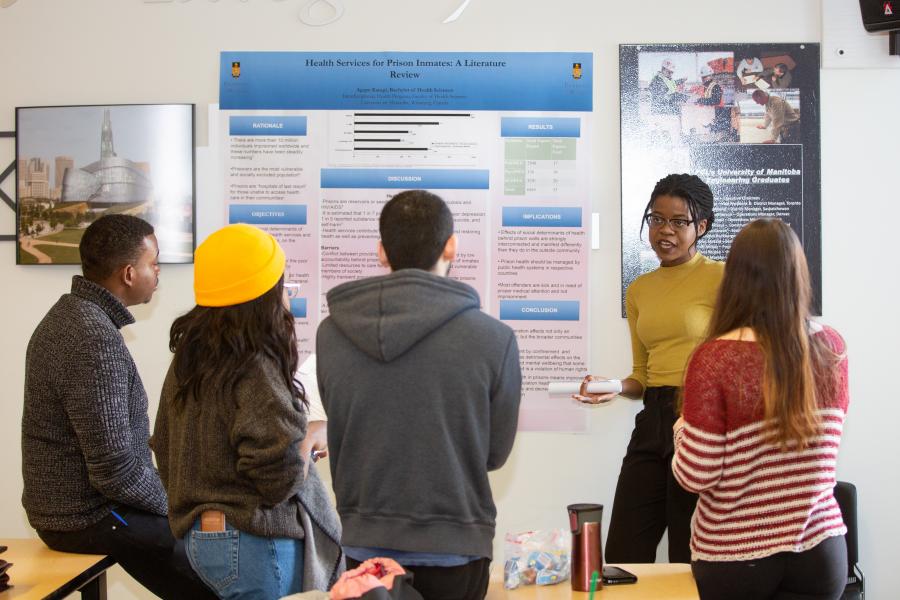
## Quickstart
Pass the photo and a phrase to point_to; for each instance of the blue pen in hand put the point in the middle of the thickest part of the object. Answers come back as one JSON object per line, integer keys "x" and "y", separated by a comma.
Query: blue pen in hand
{"x": 119, "y": 517}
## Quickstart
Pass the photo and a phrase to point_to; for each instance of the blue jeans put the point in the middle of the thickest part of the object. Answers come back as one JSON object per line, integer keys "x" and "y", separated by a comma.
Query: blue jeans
{"x": 235, "y": 564}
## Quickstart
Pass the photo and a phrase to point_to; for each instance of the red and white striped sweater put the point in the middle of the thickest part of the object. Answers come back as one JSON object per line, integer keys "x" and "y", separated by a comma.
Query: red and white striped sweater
{"x": 755, "y": 499}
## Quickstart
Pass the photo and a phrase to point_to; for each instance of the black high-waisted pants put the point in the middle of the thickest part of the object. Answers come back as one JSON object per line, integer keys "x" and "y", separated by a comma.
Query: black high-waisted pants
{"x": 648, "y": 498}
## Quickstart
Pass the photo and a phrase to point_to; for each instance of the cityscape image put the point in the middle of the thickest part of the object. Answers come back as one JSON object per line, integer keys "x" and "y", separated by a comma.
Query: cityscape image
{"x": 77, "y": 163}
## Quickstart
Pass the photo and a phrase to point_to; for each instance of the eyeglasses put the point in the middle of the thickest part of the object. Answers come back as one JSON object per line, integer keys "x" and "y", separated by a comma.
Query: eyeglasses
{"x": 655, "y": 221}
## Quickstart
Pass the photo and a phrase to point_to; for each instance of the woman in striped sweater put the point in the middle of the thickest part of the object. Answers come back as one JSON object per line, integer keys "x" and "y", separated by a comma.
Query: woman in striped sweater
{"x": 764, "y": 405}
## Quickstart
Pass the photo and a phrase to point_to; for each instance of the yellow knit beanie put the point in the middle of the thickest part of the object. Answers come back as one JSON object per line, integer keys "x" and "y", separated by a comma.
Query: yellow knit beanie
{"x": 236, "y": 264}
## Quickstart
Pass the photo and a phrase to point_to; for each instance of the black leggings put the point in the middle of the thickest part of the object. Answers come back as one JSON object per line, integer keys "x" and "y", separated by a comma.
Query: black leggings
{"x": 648, "y": 498}
{"x": 820, "y": 573}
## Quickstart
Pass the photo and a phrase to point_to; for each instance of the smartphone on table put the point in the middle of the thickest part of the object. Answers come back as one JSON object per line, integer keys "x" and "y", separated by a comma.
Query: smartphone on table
{"x": 615, "y": 576}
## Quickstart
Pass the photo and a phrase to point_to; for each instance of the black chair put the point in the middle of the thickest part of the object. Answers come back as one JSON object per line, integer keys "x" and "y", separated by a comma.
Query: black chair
{"x": 845, "y": 494}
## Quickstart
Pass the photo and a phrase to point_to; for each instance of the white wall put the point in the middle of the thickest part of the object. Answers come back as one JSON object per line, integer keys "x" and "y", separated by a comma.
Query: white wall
{"x": 105, "y": 51}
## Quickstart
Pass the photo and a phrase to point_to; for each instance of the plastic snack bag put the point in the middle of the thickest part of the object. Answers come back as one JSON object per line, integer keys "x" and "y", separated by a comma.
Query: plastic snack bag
{"x": 536, "y": 557}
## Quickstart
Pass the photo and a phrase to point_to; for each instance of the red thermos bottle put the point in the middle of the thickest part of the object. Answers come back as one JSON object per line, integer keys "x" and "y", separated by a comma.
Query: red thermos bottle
{"x": 587, "y": 547}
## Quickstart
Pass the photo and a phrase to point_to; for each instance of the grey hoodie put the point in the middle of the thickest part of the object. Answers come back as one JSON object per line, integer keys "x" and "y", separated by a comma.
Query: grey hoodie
{"x": 422, "y": 393}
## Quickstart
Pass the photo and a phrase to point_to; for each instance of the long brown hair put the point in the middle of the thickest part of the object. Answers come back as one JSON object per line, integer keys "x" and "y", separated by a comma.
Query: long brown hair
{"x": 217, "y": 347}
{"x": 766, "y": 288}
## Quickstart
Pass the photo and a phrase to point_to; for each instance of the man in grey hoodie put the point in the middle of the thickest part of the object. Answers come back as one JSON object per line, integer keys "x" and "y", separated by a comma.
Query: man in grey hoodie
{"x": 422, "y": 394}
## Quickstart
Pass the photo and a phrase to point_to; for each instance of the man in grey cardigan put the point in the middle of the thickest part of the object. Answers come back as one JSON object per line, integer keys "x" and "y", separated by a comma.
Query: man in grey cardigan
{"x": 90, "y": 483}
{"x": 422, "y": 394}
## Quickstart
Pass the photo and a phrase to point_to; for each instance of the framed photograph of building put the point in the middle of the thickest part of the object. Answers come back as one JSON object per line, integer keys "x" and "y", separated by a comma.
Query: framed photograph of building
{"x": 75, "y": 164}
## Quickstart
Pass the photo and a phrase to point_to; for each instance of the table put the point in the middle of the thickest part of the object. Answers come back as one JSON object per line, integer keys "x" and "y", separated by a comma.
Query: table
{"x": 39, "y": 572}
{"x": 671, "y": 581}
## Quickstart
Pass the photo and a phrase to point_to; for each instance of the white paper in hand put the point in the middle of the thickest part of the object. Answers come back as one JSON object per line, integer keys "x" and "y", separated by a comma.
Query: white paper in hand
{"x": 567, "y": 388}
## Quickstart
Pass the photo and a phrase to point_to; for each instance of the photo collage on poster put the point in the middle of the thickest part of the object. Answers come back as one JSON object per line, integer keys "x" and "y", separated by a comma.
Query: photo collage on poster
{"x": 743, "y": 117}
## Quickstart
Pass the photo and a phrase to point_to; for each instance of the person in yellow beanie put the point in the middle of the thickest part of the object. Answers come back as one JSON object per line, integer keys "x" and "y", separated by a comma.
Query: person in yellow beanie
{"x": 231, "y": 435}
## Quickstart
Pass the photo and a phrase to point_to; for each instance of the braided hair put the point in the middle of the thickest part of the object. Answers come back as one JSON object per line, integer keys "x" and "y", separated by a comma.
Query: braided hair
{"x": 691, "y": 189}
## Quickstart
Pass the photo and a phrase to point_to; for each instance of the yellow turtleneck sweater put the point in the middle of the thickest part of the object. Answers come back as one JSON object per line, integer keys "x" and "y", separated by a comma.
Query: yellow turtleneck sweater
{"x": 668, "y": 312}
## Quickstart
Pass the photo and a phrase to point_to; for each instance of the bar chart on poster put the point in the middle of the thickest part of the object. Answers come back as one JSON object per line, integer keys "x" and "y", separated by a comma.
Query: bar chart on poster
{"x": 442, "y": 139}
{"x": 314, "y": 144}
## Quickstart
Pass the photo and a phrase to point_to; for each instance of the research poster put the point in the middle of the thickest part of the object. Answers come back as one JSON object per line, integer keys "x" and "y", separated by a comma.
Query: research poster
{"x": 745, "y": 118}
{"x": 314, "y": 144}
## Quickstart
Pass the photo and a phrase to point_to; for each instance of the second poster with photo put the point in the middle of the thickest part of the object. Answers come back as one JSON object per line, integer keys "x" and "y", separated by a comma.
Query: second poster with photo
{"x": 743, "y": 117}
